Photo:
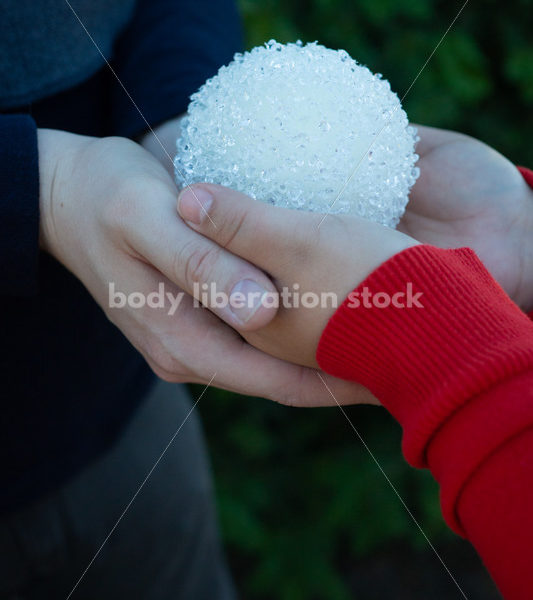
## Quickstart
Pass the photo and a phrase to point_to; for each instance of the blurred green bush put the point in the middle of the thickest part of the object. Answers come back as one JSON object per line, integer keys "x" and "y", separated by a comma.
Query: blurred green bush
{"x": 299, "y": 496}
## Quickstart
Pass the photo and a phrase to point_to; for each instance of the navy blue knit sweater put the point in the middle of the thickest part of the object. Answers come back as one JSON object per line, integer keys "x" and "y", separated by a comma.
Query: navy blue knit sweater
{"x": 70, "y": 379}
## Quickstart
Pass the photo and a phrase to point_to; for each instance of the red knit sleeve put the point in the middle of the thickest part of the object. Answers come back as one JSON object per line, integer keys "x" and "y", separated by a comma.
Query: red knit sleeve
{"x": 456, "y": 369}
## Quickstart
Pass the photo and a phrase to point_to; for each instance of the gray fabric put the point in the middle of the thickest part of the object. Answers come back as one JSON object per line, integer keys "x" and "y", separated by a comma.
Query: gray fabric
{"x": 44, "y": 49}
{"x": 166, "y": 546}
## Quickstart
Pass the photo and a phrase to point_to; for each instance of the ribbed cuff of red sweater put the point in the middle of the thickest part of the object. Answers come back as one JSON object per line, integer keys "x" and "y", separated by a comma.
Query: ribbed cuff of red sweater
{"x": 424, "y": 363}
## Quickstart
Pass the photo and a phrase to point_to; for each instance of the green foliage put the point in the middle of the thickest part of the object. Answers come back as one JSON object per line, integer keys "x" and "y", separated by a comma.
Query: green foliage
{"x": 299, "y": 496}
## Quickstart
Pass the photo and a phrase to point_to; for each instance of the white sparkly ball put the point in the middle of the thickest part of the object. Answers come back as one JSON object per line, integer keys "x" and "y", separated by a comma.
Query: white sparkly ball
{"x": 301, "y": 126}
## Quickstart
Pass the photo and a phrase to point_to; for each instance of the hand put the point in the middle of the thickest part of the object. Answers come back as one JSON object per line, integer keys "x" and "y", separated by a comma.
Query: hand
{"x": 108, "y": 214}
{"x": 330, "y": 255}
{"x": 469, "y": 195}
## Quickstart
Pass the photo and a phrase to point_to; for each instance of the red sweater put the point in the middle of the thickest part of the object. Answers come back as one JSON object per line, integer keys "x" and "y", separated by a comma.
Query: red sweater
{"x": 458, "y": 376}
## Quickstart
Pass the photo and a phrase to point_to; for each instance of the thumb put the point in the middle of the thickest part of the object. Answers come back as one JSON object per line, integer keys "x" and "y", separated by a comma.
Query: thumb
{"x": 251, "y": 229}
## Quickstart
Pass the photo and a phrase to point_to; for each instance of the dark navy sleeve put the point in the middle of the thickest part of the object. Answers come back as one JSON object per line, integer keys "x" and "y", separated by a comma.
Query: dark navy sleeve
{"x": 166, "y": 53}
{"x": 19, "y": 205}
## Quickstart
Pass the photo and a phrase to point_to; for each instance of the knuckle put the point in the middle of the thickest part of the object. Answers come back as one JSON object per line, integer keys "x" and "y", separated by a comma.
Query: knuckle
{"x": 293, "y": 395}
{"x": 129, "y": 198}
{"x": 121, "y": 206}
{"x": 163, "y": 361}
{"x": 232, "y": 228}
{"x": 166, "y": 366}
{"x": 168, "y": 376}
{"x": 196, "y": 261}
{"x": 286, "y": 397}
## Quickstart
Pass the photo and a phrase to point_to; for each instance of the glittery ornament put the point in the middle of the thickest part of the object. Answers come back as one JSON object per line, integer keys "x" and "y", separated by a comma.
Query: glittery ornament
{"x": 304, "y": 127}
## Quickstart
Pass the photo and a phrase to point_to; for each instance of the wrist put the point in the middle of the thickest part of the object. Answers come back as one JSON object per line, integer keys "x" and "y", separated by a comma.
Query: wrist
{"x": 57, "y": 158}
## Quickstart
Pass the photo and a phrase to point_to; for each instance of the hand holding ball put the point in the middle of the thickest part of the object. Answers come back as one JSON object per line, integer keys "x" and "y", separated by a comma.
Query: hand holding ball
{"x": 305, "y": 127}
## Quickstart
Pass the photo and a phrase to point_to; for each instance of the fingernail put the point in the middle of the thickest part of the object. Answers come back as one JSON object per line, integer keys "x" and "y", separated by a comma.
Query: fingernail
{"x": 246, "y": 298}
{"x": 194, "y": 204}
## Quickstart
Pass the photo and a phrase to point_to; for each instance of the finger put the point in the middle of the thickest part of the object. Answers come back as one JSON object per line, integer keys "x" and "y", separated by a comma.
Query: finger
{"x": 244, "y": 226}
{"x": 193, "y": 345}
{"x": 189, "y": 344}
{"x": 228, "y": 285}
{"x": 304, "y": 389}
{"x": 432, "y": 137}
{"x": 243, "y": 369}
